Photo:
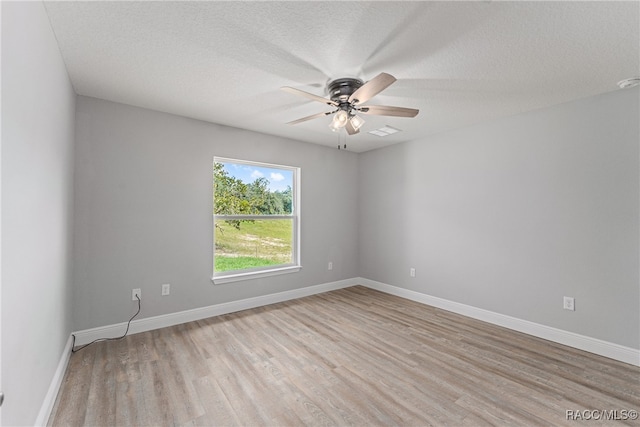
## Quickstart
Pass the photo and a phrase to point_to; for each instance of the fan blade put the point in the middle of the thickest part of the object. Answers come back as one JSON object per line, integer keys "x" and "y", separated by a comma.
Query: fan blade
{"x": 308, "y": 95}
{"x": 386, "y": 110}
{"x": 313, "y": 116}
{"x": 350, "y": 129}
{"x": 372, "y": 88}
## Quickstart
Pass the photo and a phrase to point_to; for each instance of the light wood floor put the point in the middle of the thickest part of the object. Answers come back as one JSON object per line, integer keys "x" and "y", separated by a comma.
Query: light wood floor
{"x": 349, "y": 357}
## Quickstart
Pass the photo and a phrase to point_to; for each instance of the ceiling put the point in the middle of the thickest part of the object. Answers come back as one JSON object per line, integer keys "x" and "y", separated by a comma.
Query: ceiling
{"x": 460, "y": 63}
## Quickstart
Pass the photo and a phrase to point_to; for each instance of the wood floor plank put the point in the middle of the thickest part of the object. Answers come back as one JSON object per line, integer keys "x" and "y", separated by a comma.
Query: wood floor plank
{"x": 71, "y": 405}
{"x": 102, "y": 386}
{"x": 216, "y": 404}
{"x": 156, "y": 405}
{"x": 350, "y": 357}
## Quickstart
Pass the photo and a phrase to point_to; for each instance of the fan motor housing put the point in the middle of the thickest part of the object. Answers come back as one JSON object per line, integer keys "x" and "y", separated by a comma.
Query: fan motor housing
{"x": 341, "y": 89}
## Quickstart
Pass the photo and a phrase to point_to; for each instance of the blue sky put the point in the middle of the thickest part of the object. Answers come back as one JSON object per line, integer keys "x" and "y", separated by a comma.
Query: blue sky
{"x": 278, "y": 179}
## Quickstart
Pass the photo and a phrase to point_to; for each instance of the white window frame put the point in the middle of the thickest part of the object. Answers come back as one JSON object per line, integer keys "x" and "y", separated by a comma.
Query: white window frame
{"x": 259, "y": 272}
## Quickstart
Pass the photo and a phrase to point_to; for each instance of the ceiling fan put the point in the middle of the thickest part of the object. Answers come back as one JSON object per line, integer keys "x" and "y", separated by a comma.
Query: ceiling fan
{"x": 347, "y": 96}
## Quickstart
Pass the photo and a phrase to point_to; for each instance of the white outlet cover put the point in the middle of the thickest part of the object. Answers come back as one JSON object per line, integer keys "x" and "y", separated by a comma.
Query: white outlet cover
{"x": 569, "y": 303}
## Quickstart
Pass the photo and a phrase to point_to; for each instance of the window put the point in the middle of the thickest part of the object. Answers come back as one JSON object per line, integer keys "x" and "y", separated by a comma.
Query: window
{"x": 256, "y": 220}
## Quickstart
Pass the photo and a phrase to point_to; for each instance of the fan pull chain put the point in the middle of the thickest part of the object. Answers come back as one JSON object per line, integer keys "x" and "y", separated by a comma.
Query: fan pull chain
{"x": 344, "y": 145}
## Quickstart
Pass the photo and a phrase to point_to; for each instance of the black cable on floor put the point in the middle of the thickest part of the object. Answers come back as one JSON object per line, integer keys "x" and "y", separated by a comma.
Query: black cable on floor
{"x": 74, "y": 350}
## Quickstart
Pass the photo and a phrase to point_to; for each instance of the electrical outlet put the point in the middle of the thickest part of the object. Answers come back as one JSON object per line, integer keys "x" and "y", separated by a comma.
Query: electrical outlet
{"x": 568, "y": 303}
{"x": 135, "y": 292}
{"x": 330, "y": 267}
{"x": 166, "y": 289}
{"x": 412, "y": 272}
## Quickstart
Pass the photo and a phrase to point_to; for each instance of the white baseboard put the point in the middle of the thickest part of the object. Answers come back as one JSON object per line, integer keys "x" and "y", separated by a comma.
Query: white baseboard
{"x": 157, "y": 322}
{"x": 54, "y": 387}
{"x": 592, "y": 345}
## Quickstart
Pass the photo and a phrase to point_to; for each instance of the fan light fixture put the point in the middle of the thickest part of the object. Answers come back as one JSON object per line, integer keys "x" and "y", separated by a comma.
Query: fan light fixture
{"x": 339, "y": 120}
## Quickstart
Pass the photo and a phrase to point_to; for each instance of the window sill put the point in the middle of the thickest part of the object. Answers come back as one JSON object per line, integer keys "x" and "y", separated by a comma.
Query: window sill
{"x": 218, "y": 280}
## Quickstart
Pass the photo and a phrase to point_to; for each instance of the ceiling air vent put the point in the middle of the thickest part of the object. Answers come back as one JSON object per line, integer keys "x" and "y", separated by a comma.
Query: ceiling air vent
{"x": 384, "y": 131}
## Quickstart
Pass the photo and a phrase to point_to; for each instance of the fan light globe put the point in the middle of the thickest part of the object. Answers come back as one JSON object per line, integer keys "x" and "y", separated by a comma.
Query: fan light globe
{"x": 339, "y": 120}
{"x": 356, "y": 122}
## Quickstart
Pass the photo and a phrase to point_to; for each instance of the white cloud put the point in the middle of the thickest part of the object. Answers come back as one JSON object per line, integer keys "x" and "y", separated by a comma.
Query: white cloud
{"x": 276, "y": 176}
{"x": 256, "y": 174}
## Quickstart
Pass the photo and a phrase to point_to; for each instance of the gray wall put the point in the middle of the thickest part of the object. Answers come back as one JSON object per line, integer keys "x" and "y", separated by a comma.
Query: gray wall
{"x": 512, "y": 215}
{"x": 38, "y": 109}
{"x": 144, "y": 206}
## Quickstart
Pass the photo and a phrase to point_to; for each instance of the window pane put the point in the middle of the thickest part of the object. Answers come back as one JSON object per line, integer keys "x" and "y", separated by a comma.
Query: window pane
{"x": 249, "y": 189}
{"x": 246, "y": 244}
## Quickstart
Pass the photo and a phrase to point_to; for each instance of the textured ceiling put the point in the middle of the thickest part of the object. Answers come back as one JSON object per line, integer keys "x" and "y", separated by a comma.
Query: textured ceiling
{"x": 460, "y": 63}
